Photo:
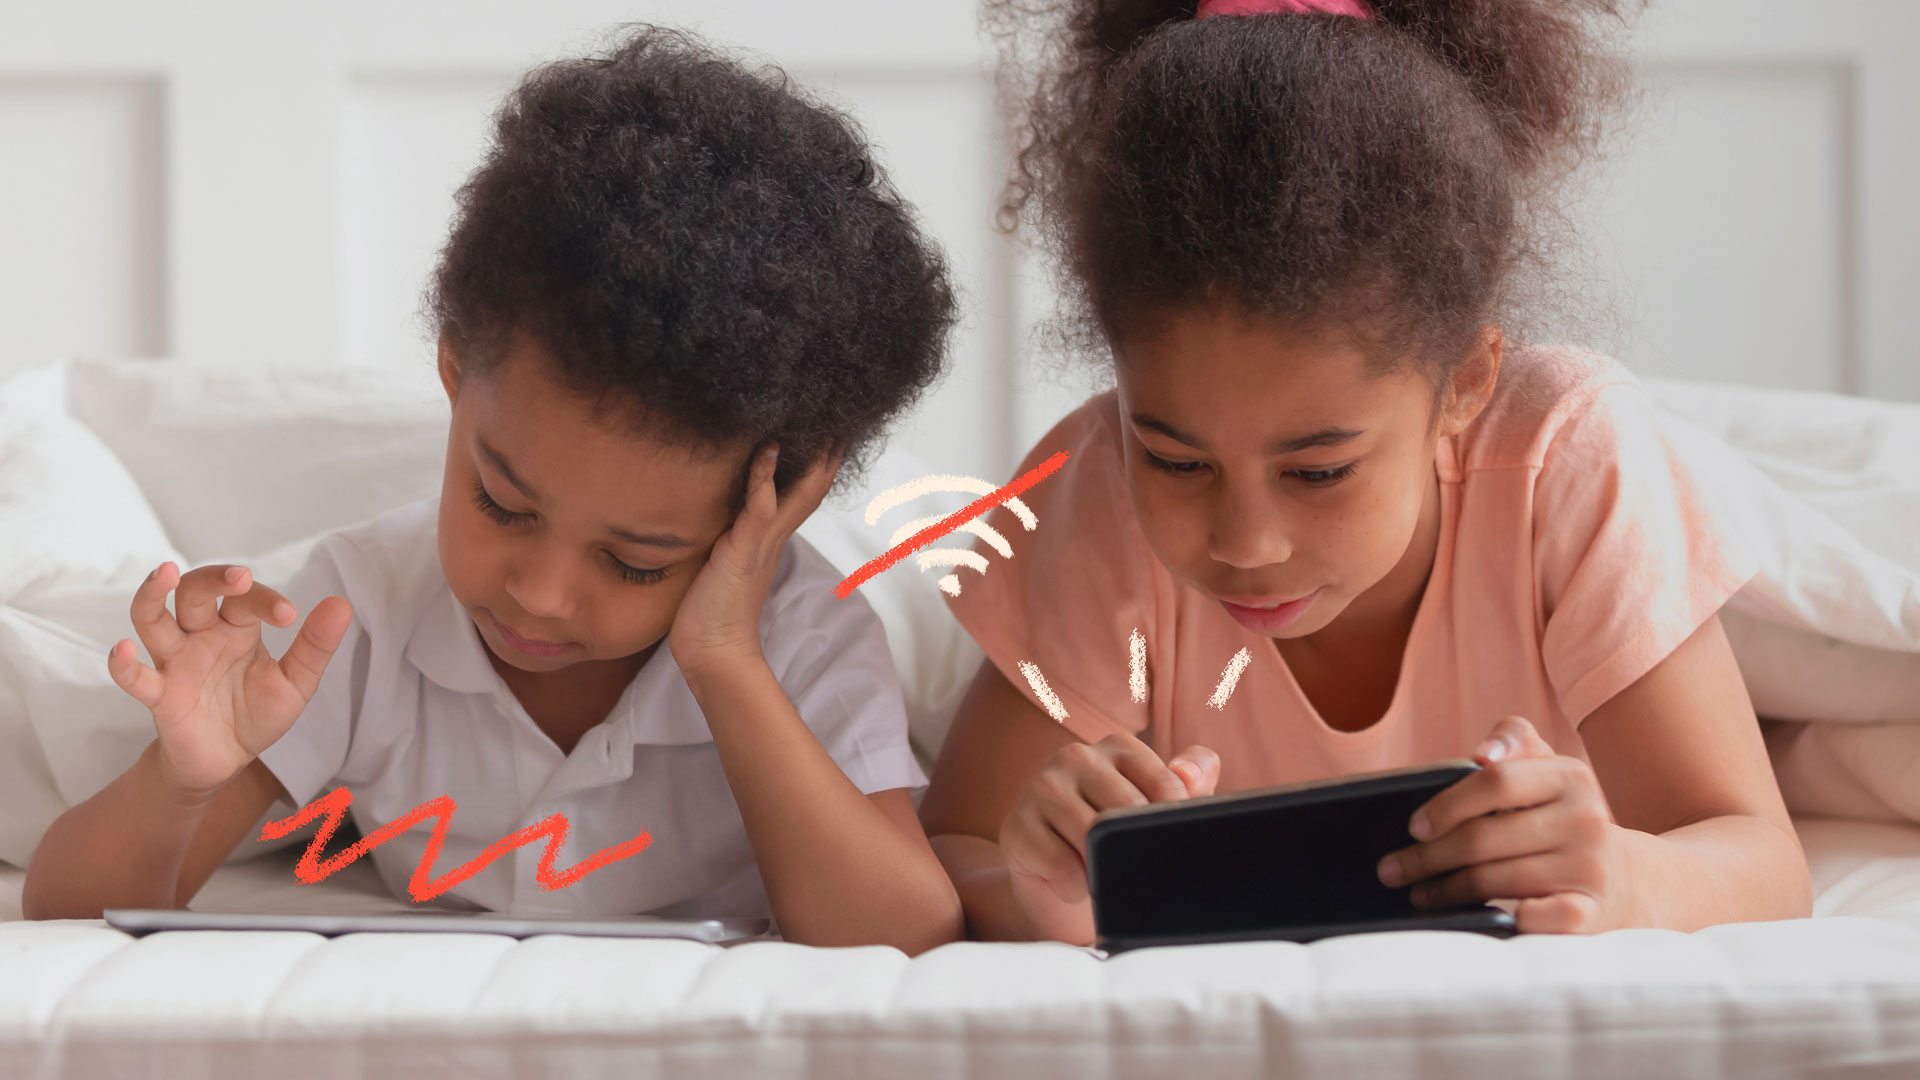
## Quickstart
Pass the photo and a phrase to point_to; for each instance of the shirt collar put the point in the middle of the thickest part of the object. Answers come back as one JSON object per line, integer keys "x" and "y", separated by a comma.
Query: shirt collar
{"x": 446, "y": 647}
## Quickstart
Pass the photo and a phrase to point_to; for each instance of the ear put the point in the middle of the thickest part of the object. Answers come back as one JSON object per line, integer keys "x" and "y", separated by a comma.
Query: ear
{"x": 1471, "y": 384}
{"x": 449, "y": 365}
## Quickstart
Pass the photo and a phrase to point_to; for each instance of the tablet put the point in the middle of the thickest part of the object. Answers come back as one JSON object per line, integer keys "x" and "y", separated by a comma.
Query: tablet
{"x": 1296, "y": 862}
{"x": 713, "y": 931}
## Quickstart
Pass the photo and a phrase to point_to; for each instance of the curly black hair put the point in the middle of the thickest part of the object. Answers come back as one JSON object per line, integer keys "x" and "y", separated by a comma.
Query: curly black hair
{"x": 704, "y": 250}
{"x": 1383, "y": 175}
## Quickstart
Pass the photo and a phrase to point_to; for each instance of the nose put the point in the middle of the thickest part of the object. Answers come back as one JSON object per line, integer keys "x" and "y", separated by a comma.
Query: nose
{"x": 538, "y": 580}
{"x": 1245, "y": 529}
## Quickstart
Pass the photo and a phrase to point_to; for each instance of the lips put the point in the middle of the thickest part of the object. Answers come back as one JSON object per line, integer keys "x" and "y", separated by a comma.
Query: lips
{"x": 530, "y": 646}
{"x": 1267, "y": 615}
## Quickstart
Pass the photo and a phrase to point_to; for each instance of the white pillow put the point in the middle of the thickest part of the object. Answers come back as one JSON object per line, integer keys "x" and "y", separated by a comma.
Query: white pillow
{"x": 248, "y": 461}
{"x": 70, "y": 514}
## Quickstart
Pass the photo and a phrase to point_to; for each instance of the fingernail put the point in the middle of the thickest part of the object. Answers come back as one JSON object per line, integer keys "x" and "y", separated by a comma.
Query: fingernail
{"x": 232, "y": 575}
{"x": 1418, "y": 896}
{"x": 1492, "y": 749}
{"x": 1390, "y": 870}
{"x": 283, "y": 611}
{"x": 1420, "y": 826}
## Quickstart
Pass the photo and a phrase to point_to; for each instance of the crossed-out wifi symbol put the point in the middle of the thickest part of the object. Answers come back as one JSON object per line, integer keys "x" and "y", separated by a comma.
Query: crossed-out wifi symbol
{"x": 921, "y": 532}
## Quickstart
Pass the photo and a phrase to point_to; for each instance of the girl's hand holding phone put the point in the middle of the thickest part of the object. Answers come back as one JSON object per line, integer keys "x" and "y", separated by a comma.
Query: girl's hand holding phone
{"x": 1044, "y": 839}
{"x": 1531, "y": 825}
{"x": 217, "y": 696}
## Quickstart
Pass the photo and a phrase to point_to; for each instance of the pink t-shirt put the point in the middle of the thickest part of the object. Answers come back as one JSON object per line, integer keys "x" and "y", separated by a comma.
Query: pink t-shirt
{"x": 1573, "y": 557}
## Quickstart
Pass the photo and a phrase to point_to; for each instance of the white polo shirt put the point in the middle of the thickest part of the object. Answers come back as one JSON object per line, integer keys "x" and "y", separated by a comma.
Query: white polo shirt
{"x": 410, "y": 709}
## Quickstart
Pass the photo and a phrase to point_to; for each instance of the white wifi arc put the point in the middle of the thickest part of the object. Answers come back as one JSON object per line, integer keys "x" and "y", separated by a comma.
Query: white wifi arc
{"x": 949, "y": 557}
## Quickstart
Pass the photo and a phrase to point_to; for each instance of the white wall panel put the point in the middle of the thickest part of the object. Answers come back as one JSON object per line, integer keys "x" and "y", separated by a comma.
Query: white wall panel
{"x": 406, "y": 143}
{"x": 82, "y": 224}
{"x": 1728, "y": 228}
{"x": 233, "y": 182}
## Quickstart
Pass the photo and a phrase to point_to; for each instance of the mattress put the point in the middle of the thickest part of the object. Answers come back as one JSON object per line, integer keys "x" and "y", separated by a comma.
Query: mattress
{"x": 1836, "y": 995}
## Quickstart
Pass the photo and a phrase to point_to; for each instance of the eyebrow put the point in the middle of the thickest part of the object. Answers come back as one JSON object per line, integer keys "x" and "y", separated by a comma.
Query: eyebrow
{"x": 654, "y": 540}
{"x": 1323, "y": 437}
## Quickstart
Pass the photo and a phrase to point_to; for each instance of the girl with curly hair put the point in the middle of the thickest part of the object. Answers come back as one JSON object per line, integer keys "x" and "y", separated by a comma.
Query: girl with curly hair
{"x": 1302, "y": 228}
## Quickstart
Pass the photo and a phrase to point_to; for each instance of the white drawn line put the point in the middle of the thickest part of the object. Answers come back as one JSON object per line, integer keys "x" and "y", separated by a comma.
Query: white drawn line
{"x": 977, "y": 527}
{"x": 1230, "y": 678}
{"x": 1049, "y": 700}
{"x": 928, "y": 485}
{"x": 933, "y": 557}
{"x": 950, "y": 584}
{"x": 1137, "y": 665}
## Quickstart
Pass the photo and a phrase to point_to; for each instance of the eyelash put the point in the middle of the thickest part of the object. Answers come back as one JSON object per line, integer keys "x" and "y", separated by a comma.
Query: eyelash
{"x": 1312, "y": 477}
{"x": 631, "y": 574}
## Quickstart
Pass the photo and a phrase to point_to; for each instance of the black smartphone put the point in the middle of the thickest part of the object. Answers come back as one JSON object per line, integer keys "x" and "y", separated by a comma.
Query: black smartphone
{"x": 1295, "y": 863}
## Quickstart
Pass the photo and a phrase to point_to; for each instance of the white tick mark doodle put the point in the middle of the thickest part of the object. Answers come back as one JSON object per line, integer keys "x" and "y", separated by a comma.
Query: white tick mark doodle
{"x": 1049, "y": 700}
{"x": 1136, "y": 678}
{"x": 1137, "y": 666}
{"x": 1230, "y": 678}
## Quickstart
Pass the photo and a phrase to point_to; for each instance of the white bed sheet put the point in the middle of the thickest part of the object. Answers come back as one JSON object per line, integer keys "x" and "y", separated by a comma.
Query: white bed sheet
{"x": 1835, "y": 995}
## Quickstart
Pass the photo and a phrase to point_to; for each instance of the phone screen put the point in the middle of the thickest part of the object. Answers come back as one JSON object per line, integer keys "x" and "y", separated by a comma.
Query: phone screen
{"x": 1259, "y": 862}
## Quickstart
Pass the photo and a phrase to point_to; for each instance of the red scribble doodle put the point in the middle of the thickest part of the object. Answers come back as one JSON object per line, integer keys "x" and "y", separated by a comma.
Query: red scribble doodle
{"x": 333, "y": 804}
{"x": 949, "y": 523}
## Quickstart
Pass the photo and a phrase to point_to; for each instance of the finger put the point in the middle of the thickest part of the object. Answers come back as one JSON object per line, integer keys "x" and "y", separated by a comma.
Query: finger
{"x": 1142, "y": 767}
{"x": 257, "y": 605}
{"x": 1481, "y": 840}
{"x": 1058, "y": 799}
{"x": 810, "y": 491}
{"x": 1560, "y": 913}
{"x": 306, "y": 659}
{"x": 1513, "y": 737}
{"x": 196, "y": 599}
{"x": 152, "y": 622}
{"x": 1104, "y": 788}
{"x": 1503, "y": 785}
{"x": 762, "y": 500}
{"x": 1523, "y": 878}
{"x": 141, "y": 682}
{"x": 1198, "y": 768}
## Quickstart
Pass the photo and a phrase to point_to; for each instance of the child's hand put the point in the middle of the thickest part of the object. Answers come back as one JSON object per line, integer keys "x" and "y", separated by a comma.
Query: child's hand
{"x": 217, "y": 697}
{"x": 719, "y": 618}
{"x": 1044, "y": 839}
{"x": 1531, "y": 825}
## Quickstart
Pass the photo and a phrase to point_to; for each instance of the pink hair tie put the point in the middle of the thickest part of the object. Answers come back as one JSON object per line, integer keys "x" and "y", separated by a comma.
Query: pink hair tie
{"x": 1356, "y": 8}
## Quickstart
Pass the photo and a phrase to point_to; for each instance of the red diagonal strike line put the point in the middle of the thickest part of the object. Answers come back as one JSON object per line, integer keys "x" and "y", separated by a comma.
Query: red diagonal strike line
{"x": 310, "y": 870}
{"x": 949, "y": 523}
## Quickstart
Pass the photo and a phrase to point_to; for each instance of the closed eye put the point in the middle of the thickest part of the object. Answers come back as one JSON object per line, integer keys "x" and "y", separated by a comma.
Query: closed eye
{"x": 1177, "y": 468}
{"x": 493, "y": 509}
{"x": 1325, "y": 477}
{"x": 633, "y": 575}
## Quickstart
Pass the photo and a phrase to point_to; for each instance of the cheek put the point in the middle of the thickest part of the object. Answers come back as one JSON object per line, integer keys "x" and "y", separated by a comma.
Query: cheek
{"x": 1174, "y": 527}
{"x": 1376, "y": 524}
{"x": 464, "y": 546}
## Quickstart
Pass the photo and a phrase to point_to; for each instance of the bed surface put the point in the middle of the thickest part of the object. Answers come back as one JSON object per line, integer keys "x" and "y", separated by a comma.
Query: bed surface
{"x": 1835, "y": 995}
